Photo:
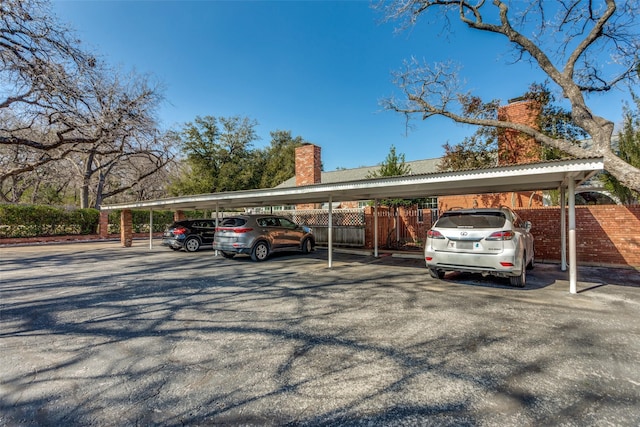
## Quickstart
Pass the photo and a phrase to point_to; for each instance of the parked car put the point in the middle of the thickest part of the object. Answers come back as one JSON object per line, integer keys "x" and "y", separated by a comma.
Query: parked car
{"x": 488, "y": 241}
{"x": 189, "y": 234}
{"x": 261, "y": 235}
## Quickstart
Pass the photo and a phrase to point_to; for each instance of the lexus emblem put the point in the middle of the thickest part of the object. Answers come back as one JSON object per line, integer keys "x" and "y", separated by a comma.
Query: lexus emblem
{"x": 463, "y": 233}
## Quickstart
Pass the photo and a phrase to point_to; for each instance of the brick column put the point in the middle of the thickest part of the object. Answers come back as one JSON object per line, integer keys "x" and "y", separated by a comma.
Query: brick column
{"x": 308, "y": 168}
{"x": 178, "y": 216}
{"x": 103, "y": 225}
{"x": 126, "y": 228}
{"x": 515, "y": 147}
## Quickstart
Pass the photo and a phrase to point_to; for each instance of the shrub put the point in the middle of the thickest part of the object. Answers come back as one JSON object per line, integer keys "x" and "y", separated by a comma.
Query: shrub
{"x": 37, "y": 220}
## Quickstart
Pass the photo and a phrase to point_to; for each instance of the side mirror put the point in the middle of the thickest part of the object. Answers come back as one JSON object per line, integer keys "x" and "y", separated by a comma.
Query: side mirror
{"x": 527, "y": 225}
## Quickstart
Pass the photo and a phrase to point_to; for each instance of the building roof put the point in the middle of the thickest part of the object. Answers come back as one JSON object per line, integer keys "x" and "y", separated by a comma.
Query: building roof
{"x": 417, "y": 167}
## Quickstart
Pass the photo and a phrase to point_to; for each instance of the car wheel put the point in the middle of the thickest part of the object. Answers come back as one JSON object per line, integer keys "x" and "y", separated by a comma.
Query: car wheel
{"x": 192, "y": 244}
{"x": 521, "y": 280}
{"x": 260, "y": 251}
{"x": 228, "y": 254}
{"x": 436, "y": 274}
{"x": 307, "y": 246}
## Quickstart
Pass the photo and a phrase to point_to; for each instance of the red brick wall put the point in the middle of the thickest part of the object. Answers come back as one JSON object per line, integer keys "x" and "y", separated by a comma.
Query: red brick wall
{"x": 605, "y": 235}
{"x": 522, "y": 199}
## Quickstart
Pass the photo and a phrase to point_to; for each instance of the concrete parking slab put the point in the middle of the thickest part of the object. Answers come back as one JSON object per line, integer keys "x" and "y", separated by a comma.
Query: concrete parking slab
{"x": 93, "y": 333}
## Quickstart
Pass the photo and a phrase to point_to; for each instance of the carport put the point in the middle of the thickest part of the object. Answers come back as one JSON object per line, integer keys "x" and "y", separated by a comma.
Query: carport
{"x": 563, "y": 175}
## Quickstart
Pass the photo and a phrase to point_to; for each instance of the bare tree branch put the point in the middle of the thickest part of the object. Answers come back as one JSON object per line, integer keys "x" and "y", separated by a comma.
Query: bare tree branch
{"x": 568, "y": 48}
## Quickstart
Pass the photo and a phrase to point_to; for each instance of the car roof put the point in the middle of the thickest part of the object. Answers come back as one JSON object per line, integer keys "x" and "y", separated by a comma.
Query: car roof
{"x": 251, "y": 216}
{"x": 477, "y": 210}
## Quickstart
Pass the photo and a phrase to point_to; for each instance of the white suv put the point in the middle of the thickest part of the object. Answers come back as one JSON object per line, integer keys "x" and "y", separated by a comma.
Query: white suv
{"x": 491, "y": 241}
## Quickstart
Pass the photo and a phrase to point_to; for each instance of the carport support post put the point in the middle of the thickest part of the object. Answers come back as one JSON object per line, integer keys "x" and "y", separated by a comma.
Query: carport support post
{"x": 217, "y": 207}
{"x": 150, "y": 228}
{"x": 375, "y": 228}
{"x": 573, "y": 267}
{"x": 330, "y": 233}
{"x": 563, "y": 228}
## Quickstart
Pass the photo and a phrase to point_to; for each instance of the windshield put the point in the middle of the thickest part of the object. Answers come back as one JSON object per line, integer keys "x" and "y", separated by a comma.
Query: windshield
{"x": 471, "y": 220}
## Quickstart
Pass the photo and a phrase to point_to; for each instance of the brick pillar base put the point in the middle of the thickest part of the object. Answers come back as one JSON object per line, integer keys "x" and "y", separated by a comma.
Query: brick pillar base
{"x": 126, "y": 228}
{"x": 103, "y": 225}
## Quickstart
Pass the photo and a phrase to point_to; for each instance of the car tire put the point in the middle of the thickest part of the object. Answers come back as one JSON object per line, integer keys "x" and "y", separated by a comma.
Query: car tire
{"x": 436, "y": 274}
{"x": 260, "y": 251}
{"x": 307, "y": 246}
{"x": 192, "y": 244}
{"x": 520, "y": 280}
{"x": 228, "y": 255}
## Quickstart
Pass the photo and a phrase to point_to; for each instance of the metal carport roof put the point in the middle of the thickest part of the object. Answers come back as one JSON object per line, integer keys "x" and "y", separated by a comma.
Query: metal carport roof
{"x": 559, "y": 174}
{"x": 526, "y": 177}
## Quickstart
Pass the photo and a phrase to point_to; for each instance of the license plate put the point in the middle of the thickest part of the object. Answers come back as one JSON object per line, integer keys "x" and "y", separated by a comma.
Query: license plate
{"x": 461, "y": 245}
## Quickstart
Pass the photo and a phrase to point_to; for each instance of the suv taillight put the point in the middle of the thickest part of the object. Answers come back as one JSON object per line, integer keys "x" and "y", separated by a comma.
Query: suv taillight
{"x": 179, "y": 230}
{"x": 435, "y": 234}
{"x": 502, "y": 235}
{"x": 235, "y": 229}
{"x": 242, "y": 229}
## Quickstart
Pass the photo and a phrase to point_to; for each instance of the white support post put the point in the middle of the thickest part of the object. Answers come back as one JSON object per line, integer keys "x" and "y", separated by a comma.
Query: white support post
{"x": 330, "y": 232}
{"x": 375, "y": 228}
{"x": 573, "y": 266}
{"x": 150, "y": 229}
{"x": 563, "y": 228}
{"x": 215, "y": 253}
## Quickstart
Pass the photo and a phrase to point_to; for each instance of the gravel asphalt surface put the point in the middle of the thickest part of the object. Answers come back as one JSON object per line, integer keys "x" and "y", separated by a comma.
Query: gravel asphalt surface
{"x": 97, "y": 334}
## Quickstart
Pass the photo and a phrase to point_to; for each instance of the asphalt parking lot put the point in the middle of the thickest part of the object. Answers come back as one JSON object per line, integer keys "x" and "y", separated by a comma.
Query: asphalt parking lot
{"x": 96, "y": 334}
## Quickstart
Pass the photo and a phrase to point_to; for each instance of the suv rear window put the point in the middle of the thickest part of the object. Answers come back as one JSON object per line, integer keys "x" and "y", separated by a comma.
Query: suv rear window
{"x": 471, "y": 220}
{"x": 233, "y": 222}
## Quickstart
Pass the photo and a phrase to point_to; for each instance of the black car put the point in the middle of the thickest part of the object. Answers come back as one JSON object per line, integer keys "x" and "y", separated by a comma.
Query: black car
{"x": 189, "y": 234}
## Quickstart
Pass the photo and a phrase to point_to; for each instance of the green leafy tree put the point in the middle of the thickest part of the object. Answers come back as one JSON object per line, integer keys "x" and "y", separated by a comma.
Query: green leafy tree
{"x": 393, "y": 165}
{"x": 480, "y": 149}
{"x": 280, "y": 158}
{"x": 629, "y": 150}
{"x": 218, "y": 156}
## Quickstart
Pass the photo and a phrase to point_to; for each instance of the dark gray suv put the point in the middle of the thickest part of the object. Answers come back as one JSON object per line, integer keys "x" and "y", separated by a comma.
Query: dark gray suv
{"x": 261, "y": 235}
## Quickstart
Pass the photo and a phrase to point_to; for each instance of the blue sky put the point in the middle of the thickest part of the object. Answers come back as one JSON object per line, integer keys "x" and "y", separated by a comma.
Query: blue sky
{"x": 316, "y": 68}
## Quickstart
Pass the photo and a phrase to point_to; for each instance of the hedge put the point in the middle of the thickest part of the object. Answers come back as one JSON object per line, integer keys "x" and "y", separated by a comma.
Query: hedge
{"x": 37, "y": 221}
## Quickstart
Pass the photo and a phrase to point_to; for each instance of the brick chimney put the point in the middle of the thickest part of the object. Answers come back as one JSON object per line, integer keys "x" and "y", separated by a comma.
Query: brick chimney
{"x": 308, "y": 165}
{"x": 513, "y": 146}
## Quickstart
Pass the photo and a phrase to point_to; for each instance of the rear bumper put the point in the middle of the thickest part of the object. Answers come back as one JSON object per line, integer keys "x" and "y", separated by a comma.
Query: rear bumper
{"x": 172, "y": 243}
{"x": 231, "y": 247}
{"x": 474, "y": 263}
